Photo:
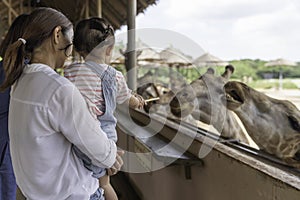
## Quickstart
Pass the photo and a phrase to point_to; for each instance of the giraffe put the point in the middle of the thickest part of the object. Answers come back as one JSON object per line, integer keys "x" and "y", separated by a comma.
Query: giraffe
{"x": 273, "y": 124}
{"x": 149, "y": 88}
{"x": 202, "y": 99}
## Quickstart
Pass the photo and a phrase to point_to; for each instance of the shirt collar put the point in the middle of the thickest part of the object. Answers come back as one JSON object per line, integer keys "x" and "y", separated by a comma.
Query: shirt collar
{"x": 35, "y": 67}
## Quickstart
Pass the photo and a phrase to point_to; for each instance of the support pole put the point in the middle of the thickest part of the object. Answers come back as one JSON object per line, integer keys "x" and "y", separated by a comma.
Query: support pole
{"x": 21, "y": 7}
{"x": 280, "y": 78}
{"x": 9, "y": 11}
{"x": 87, "y": 9}
{"x": 99, "y": 8}
{"x": 131, "y": 53}
{"x": 28, "y": 6}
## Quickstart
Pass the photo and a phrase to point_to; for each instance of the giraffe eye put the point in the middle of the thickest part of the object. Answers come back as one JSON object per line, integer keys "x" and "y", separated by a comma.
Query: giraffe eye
{"x": 294, "y": 123}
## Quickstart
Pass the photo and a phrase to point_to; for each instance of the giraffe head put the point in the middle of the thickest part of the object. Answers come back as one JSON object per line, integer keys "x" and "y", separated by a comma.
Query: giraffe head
{"x": 273, "y": 124}
{"x": 201, "y": 93}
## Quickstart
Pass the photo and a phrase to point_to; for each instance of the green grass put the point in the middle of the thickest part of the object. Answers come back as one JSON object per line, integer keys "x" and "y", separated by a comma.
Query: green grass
{"x": 273, "y": 83}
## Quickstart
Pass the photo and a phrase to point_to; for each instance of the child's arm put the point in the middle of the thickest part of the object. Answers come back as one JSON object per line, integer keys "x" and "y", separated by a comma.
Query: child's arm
{"x": 125, "y": 95}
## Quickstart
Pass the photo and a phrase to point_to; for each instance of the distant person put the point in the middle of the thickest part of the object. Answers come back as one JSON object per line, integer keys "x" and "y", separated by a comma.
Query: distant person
{"x": 100, "y": 84}
{"x": 48, "y": 114}
{"x": 7, "y": 179}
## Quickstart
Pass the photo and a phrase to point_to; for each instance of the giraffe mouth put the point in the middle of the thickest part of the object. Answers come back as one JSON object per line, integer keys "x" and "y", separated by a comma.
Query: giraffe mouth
{"x": 233, "y": 96}
{"x": 233, "y": 99}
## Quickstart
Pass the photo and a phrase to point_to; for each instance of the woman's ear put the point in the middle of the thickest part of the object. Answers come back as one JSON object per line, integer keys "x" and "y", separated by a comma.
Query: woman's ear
{"x": 57, "y": 34}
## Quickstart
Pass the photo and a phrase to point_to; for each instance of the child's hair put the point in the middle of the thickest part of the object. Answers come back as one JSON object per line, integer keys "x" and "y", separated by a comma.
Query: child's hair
{"x": 40, "y": 26}
{"x": 89, "y": 33}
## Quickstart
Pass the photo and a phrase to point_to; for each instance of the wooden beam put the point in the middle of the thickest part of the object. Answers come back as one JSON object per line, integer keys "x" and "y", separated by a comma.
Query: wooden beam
{"x": 124, "y": 5}
{"x": 111, "y": 19}
{"x": 11, "y": 10}
{"x": 99, "y": 8}
{"x": 28, "y": 6}
{"x": 111, "y": 9}
{"x": 87, "y": 9}
{"x": 21, "y": 6}
{"x": 82, "y": 12}
{"x": 144, "y": 3}
{"x": 119, "y": 5}
{"x": 4, "y": 8}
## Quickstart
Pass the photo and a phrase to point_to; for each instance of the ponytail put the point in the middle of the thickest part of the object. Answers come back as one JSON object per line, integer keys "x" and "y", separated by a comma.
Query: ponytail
{"x": 13, "y": 63}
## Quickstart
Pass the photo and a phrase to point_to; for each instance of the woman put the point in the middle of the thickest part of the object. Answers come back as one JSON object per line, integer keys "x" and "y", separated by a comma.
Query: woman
{"x": 7, "y": 179}
{"x": 47, "y": 115}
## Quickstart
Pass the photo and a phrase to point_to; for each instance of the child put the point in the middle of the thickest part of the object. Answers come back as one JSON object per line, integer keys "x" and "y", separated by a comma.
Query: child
{"x": 101, "y": 85}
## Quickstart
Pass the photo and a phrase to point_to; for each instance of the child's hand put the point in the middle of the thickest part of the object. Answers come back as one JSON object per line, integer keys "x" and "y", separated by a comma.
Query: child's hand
{"x": 117, "y": 165}
{"x": 141, "y": 101}
{"x": 136, "y": 101}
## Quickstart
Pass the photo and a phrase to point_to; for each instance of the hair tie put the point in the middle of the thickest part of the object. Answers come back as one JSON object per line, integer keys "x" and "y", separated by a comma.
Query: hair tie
{"x": 22, "y": 40}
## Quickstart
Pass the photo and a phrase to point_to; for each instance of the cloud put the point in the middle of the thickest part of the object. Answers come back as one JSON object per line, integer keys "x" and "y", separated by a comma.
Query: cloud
{"x": 220, "y": 9}
{"x": 231, "y": 29}
{"x": 271, "y": 35}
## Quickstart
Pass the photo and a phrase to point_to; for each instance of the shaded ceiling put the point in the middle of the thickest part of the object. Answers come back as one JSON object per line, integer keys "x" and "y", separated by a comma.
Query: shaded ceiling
{"x": 115, "y": 11}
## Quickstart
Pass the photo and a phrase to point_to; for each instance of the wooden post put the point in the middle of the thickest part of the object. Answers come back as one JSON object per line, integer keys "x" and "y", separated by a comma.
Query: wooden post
{"x": 21, "y": 7}
{"x": 87, "y": 9}
{"x": 130, "y": 52}
{"x": 99, "y": 8}
{"x": 28, "y": 6}
{"x": 9, "y": 13}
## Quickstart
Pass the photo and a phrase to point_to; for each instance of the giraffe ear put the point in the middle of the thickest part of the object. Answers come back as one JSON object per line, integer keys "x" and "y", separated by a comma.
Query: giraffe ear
{"x": 294, "y": 122}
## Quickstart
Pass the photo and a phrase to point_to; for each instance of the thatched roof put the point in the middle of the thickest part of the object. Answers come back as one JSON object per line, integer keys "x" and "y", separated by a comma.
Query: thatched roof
{"x": 115, "y": 11}
{"x": 281, "y": 62}
{"x": 171, "y": 55}
{"x": 146, "y": 53}
{"x": 209, "y": 60}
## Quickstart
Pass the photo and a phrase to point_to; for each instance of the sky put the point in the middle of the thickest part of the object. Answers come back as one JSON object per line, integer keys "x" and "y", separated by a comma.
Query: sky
{"x": 228, "y": 29}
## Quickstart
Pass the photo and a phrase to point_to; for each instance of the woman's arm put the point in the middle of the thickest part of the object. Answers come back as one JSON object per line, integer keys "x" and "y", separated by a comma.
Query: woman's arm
{"x": 70, "y": 116}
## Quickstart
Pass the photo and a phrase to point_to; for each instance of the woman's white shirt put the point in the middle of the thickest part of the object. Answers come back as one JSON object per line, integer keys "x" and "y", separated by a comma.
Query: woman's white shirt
{"x": 47, "y": 115}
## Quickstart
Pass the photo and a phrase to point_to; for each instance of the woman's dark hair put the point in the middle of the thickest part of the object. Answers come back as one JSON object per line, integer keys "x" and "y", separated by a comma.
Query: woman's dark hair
{"x": 15, "y": 31}
{"x": 40, "y": 26}
{"x": 89, "y": 33}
